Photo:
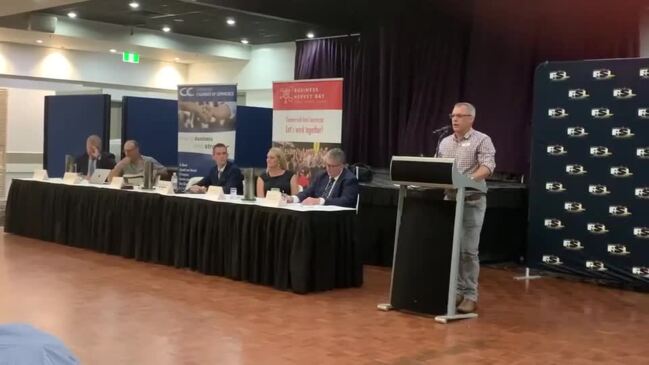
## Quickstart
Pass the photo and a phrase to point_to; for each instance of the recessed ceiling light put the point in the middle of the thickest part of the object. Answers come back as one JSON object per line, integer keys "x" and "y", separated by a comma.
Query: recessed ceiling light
{"x": 134, "y": 4}
{"x": 231, "y": 21}
{"x": 166, "y": 29}
{"x": 72, "y": 14}
{"x": 39, "y": 41}
{"x": 177, "y": 59}
{"x": 244, "y": 41}
{"x": 310, "y": 35}
{"x": 113, "y": 50}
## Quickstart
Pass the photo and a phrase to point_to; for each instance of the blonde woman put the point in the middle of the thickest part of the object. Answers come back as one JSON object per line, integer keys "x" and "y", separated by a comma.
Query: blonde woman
{"x": 276, "y": 175}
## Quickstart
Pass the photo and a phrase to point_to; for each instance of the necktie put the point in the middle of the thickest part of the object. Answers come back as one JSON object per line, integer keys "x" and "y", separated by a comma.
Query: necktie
{"x": 328, "y": 188}
{"x": 91, "y": 166}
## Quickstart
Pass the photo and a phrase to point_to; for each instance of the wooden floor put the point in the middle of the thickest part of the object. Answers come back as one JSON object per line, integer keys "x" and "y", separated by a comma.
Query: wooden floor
{"x": 114, "y": 311}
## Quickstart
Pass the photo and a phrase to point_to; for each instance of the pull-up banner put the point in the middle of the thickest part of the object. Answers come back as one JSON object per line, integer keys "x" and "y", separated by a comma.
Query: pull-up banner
{"x": 307, "y": 121}
{"x": 207, "y": 115}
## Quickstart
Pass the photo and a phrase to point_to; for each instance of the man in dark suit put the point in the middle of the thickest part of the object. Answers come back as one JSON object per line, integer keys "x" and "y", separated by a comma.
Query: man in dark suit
{"x": 336, "y": 186}
{"x": 225, "y": 173}
{"x": 94, "y": 158}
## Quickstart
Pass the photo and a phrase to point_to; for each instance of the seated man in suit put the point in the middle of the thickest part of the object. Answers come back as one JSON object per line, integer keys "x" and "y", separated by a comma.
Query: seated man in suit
{"x": 336, "y": 186}
{"x": 225, "y": 173}
{"x": 133, "y": 164}
{"x": 94, "y": 158}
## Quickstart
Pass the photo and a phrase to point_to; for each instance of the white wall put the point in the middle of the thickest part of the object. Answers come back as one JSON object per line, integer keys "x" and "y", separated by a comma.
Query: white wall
{"x": 25, "y": 113}
{"x": 268, "y": 63}
{"x": 57, "y": 64}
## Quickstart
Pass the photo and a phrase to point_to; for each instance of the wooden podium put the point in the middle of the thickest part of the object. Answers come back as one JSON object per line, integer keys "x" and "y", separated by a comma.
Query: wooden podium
{"x": 427, "y": 246}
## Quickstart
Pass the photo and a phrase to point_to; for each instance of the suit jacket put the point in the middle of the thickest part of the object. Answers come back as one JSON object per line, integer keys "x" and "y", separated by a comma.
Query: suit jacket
{"x": 105, "y": 161}
{"x": 344, "y": 192}
{"x": 231, "y": 177}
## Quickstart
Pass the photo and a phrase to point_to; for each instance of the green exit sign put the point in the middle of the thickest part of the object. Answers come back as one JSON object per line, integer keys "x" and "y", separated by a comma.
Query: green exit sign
{"x": 130, "y": 57}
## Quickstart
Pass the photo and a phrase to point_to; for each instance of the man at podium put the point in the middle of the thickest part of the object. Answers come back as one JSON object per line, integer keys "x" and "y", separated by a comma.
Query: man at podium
{"x": 474, "y": 155}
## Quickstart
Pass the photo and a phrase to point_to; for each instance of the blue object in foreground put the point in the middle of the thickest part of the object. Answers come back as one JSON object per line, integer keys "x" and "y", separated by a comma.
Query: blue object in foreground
{"x": 22, "y": 344}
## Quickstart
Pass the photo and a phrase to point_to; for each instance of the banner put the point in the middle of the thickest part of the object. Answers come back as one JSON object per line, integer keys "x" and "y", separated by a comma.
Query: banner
{"x": 207, "y": 115}
{"x": 307, "y": 122}
{"x": 589, "y": 189}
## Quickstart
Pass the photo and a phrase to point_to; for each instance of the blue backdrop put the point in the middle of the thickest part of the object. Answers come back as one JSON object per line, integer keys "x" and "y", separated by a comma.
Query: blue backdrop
{"x": 254, "y": 135}
{"x": 589, "y": 190}
{"x": 69, "y": 120}
{"x": 153, "y": 123}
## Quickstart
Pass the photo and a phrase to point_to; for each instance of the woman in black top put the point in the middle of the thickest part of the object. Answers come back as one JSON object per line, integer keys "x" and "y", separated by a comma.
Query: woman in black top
{"x": 276, "y": 175}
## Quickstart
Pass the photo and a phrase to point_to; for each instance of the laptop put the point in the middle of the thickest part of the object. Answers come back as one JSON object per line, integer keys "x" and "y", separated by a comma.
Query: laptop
{"x": 99, "y": 176}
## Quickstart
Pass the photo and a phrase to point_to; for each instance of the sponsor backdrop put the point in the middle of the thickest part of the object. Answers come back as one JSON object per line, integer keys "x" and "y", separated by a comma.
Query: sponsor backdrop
{"x": 589, "y": 190}
{"x": 307, "y": 122}
{"x": 207, "y": 115}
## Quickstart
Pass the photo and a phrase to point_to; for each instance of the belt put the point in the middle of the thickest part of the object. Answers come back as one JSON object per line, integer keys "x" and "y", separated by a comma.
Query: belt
{"x": 473, "y": 197}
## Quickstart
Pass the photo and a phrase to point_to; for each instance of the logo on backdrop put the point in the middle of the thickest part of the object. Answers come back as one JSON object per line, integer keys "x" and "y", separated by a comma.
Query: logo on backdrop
{"x": 623, "y": 93}
{"x": 617, "y": 249}
{"x": 603, "y": 74}
{"x": 642, "y": 193}
{"x": 186, "y": 91}
{"x": 575, "y": 169}
{"x": 599, "y": 151}
{"x": 572, "y": 244}
{"x": 556, "y": 150}
{"x": 573, "y": 207}
{"x": 595, "y": 266}
{"x": 559, "y": 76}
{"x": 641, "y": 232}
{"x": 619, "y": 211}
{"x": 622, "y": 132}
{"x": 621, "y": 171}
{"x": 552, "y": 260}
{"x": 640, "y": 270}
{"x": 554, "y": 187}
{"x": 643, "y": 113}
{"x": 601, "y": 113}
{"x": 644, "y": 73}
{"x": 576, "y": 132}
{"x": 598, "y": 190}
{"x": 553, "y": 223}
{"x": 578, "y": 94}
{"x": 597, "y": 228}
{"x": 642, "y": 152}
{"x": 557, "y": 113}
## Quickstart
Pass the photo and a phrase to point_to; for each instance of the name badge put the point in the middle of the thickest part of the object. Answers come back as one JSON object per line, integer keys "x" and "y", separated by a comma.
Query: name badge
{"x": 465, "y": 144}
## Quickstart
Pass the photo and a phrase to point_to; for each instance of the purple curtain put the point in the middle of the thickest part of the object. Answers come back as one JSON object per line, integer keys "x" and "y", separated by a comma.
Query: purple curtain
{"x": 403, "y": 75}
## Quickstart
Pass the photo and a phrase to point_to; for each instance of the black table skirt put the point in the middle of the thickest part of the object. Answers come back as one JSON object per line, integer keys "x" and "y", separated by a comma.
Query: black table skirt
{"x": 288, "y": 250}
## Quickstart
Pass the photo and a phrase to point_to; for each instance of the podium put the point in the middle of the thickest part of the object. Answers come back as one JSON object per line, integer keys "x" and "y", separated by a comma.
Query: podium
{"x": 427, "y": 246}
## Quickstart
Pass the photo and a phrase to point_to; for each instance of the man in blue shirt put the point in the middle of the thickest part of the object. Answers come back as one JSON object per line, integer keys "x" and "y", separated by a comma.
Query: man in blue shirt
{"x": 225, "y": 173}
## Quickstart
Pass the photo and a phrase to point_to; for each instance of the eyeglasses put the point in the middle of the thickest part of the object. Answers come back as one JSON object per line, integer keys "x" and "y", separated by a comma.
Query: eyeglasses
{"x": 459, "y": 115}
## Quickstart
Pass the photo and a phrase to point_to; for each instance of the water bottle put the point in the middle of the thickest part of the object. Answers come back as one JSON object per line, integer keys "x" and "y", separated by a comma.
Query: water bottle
{"x": 174, "y": 182}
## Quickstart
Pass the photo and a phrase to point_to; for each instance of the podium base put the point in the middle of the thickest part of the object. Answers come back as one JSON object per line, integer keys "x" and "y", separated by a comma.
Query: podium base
{"x": 386, "y": 307}
{"x": 449, "y": 318}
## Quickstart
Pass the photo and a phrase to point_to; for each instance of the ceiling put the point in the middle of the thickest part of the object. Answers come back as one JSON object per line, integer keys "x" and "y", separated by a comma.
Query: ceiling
{"x": 10, "y": 7}
{"x": 258, "y": 21}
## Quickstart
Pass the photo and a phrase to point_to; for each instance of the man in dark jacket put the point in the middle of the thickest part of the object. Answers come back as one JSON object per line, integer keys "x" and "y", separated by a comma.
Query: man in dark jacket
{"x": 94, "y": 158}
{"x": 225, "y": 173}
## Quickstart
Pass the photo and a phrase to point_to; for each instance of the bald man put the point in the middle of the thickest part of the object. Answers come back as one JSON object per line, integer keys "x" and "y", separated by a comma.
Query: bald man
{"x": 133, "y": 163}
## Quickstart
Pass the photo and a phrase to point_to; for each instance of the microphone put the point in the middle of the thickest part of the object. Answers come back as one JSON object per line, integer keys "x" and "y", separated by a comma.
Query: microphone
{"x": 442, "y": 129}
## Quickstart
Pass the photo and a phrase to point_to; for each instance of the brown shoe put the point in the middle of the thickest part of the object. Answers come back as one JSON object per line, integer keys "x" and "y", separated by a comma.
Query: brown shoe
{"x": 458, "y": 299}
{"x": 467, "y": 306}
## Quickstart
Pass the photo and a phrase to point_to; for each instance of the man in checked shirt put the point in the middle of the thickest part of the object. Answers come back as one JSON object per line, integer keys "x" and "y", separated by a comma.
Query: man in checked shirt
{"x": 474, "y": 156}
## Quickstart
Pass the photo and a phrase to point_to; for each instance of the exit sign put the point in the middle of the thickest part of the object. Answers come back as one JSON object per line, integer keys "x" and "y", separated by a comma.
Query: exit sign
{"x": 130, "y": 57}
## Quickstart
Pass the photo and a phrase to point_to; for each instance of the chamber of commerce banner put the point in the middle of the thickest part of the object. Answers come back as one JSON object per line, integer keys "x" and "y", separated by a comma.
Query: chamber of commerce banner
{"x": 589, "y": 186}
{"x": 207, "y": 115}
{"x": 307, "y": 122}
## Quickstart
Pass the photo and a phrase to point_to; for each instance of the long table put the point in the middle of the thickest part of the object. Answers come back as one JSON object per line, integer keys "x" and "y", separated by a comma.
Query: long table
{"x": 293, "y": 247}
